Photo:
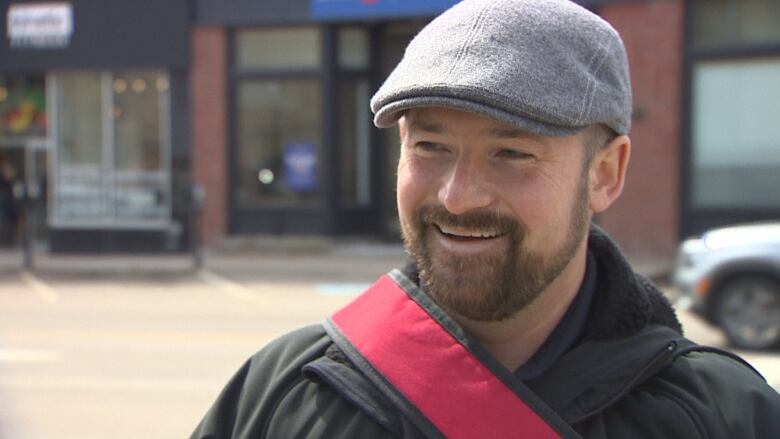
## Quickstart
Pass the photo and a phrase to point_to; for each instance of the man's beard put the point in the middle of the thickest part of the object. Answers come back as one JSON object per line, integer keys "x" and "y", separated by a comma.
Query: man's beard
{"x": 494, "y": 286}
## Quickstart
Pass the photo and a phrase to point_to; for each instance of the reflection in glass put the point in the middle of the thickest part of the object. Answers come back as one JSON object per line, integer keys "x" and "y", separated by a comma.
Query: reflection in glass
{"x": 736, "y": 137}
{"x": 140, "y": 175}
{"x": 283, "y": 48}
{"x": 120, "y": 86}
{"x": 81, "y": 188}
{"x": 353, "y": 48}
{"x": 112, "y": 141}
{"x": 279, "y": 156}
{"x": 732, "y": 23}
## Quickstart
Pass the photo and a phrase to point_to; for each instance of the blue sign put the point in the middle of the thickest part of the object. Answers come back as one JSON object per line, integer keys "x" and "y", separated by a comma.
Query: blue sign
{"x": 300, "y": 167}
{"x": 351, "y": 9}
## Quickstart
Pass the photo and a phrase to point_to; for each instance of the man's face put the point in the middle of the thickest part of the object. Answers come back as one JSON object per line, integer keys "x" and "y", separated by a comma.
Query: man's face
{"x": 492, "y": 215}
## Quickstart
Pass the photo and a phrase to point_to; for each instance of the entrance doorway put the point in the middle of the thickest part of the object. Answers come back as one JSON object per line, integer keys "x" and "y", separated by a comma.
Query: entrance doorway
{"x": 23, "y": 151}
{"x": 23, "y": 196}
{"x": 11, "y": 168}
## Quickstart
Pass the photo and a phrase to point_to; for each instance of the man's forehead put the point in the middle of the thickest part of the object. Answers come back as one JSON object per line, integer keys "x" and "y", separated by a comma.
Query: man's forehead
{"x": 445, "y": 120}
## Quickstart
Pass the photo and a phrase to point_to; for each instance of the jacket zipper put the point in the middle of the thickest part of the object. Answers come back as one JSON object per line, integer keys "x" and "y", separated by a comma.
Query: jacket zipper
{"x": 658, "y": 361}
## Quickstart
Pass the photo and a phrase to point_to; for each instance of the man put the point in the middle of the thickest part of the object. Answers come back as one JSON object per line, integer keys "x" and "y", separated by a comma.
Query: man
{"x": 9, "y": 207}
{"x": 516, "y": 317}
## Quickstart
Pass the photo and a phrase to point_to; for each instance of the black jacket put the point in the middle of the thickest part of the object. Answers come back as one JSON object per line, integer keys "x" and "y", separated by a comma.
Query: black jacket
{"x": 632, "y": 376}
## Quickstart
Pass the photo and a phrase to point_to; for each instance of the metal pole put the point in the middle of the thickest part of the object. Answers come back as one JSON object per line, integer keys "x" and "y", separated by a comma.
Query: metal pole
{"x": 197, "y": 199}
{"x": 27, "y": 229}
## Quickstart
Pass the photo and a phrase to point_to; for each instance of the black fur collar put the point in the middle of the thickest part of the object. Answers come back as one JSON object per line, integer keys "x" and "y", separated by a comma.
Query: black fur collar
{"x": 625, "y": 301}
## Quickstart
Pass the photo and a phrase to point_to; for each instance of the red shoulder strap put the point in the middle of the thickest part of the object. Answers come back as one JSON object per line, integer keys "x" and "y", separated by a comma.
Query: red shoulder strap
{"x": 447, "y": 383}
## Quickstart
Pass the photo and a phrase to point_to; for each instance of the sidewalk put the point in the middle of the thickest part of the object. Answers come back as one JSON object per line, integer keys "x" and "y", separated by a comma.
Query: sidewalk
{"x": 267, "y": 259}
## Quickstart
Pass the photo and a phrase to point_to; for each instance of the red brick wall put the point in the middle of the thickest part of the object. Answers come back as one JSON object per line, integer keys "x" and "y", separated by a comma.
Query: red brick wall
{"x": 644, "y": 221}
{"x": 209, "y": 126}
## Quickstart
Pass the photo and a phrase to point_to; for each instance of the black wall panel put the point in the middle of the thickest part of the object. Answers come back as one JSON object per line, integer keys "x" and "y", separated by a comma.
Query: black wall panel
{"x": 109, "y": 34}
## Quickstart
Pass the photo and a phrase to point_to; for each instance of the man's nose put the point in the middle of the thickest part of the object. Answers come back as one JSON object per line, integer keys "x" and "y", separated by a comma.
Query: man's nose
{"x": 465, "y": 188}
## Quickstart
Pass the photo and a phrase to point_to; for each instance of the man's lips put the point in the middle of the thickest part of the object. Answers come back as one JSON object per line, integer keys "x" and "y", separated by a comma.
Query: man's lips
{"x": 464, "y": 233}
{"x": 467, "y": 241}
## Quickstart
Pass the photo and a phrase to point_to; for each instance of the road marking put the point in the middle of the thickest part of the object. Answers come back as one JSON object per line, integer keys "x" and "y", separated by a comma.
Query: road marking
{"x": 341, "y": 289}
{"x": 44, "y": 292}
{"x": 28, "y": 356}
{"x": 150, "y": 340}
{"x": 232, "y": 289}
{"x": 113, "y": 384}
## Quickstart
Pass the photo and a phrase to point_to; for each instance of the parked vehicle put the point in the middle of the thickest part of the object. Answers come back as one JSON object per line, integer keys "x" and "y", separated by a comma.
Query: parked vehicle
{"x": 731, "y": 277}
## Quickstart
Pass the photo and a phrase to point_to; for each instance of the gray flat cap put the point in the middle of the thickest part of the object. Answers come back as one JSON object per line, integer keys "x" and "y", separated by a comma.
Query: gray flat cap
{"x": 549, "y": 67}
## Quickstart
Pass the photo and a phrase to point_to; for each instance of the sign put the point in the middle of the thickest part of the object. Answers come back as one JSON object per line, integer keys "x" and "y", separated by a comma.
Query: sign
{"x": 95, "y": 35}
{"x": 300, "y": 167}
{"x": 40, "y": 25}
{"x": 22, "y": 110}
{"x": 351, "y": 9}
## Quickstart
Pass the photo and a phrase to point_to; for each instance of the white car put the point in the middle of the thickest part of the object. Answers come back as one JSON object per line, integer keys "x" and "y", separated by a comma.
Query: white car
{"x": 731, "y": 277}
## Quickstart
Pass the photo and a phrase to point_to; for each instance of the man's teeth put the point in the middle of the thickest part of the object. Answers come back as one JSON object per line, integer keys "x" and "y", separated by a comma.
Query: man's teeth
{"x": 468, "y": 233}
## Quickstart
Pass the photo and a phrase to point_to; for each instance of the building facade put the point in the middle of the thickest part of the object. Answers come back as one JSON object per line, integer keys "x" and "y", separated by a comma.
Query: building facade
{"x": 94, "y": 114}
{"x": 264, "y": 105}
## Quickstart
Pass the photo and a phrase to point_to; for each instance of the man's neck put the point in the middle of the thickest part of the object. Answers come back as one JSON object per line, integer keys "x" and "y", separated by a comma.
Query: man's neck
{"x": 515, "y": 340}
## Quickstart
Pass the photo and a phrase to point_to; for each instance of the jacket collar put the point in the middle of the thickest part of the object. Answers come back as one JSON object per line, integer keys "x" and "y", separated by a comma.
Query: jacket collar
{"x": 625, "y": 301}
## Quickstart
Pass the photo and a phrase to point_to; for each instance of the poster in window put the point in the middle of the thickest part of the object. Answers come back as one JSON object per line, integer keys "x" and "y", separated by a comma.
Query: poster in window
{"x": 300, "y": 167}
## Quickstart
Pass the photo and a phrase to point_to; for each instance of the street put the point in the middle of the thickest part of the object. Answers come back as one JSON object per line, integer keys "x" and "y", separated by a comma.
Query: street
{"x": 129, "y": 357}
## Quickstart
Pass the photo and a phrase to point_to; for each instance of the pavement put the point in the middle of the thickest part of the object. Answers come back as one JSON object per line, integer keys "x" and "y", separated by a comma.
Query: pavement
{"x": 120, "y": 346}
{"x": 282, "y": 259}
{"x": 269, "y": 258}
{"x": 136, "y": 357}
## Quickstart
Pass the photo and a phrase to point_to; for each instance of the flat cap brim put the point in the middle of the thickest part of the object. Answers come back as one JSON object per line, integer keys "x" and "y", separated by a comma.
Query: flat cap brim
{"x": 389, "y": 114}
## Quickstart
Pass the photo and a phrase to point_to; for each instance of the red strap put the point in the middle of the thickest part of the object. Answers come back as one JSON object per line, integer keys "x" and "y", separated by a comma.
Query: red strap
{"x": 456, "y": 392}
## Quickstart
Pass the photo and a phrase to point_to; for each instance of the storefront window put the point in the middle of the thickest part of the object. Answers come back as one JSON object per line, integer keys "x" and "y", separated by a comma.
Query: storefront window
{"x": 354, "y": 152}
{"x": 277, "y": 49}
{"x": 353, "y": 48}
{"x": 112, "y": 144}
{"x": 80, "y": 179}
{"x": 736, "y": 137}
{"x": 22, "y": 106}
{"x": 140, "y": 172}
{"x": 733, "y": 23}
{"x": 279, "y": 154}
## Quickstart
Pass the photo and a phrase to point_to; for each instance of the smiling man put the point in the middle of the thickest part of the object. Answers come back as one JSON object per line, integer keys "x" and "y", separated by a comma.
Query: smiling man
{"x": 495, "y": 216}
{"x": 515, "y": 316}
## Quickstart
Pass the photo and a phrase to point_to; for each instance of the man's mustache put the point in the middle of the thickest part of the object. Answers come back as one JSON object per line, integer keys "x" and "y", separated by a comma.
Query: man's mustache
{"x": 482, "y": 219}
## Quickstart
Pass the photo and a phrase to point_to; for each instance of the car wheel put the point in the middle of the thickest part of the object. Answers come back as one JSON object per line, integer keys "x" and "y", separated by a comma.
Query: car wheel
{"x": 748, "y": 310}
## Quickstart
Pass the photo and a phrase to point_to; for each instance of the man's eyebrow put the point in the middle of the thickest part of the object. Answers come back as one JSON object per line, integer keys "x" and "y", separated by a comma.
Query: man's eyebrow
{"x": 427, "y": 126}
{"x": 499, "y": 132}
{"x": 506, "y": 133}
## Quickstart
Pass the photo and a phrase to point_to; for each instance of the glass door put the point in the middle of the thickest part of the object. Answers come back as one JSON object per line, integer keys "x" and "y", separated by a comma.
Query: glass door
{"x": 111, "y": 136}
{"x": 140, "y": 177}
{"x": 80, "y": 186}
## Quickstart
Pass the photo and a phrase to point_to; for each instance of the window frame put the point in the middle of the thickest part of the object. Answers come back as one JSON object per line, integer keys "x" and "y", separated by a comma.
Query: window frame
{"x": 693, "y": 219}
{"x": 108, "y": 170}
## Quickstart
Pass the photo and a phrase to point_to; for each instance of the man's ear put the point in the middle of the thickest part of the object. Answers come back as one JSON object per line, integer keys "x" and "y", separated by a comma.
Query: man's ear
{"x": 607, "y": 173}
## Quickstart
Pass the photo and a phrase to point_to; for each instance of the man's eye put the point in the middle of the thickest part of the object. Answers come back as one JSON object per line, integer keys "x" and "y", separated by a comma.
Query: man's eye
{"x": 514, "y": 154}
{"x": 429, "y": 147}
